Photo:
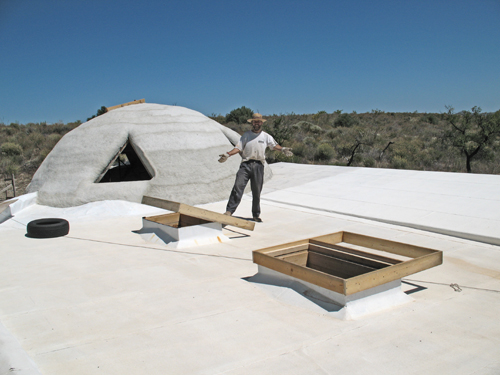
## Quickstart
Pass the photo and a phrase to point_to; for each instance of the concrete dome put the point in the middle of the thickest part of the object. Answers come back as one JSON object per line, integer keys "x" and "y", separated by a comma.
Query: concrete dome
{"x": 174, "y": 151}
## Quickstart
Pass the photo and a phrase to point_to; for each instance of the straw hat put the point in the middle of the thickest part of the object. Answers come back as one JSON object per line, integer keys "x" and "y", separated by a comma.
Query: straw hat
{"x": 255, "y": 117}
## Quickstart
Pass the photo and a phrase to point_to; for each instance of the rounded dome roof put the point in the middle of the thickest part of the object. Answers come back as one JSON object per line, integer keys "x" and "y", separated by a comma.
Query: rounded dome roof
{"x": 177, "y": 147}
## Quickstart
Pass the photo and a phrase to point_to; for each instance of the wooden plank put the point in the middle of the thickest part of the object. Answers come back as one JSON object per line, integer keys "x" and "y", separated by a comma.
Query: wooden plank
{"x": 126, "y": 104}
{"x": 6, "y": 188}
{"x": 299, "y": 257}
{"x": 334, "y": 266}
{"x": 285, "y": 248}
{"x": 319, "y": 278}
{"x": 13, "y": 184}
{"x": 5, "y": 204}
{"x": 198, "y": 212}
{"x": 386, "y": 245}
{"x": 363, "y": 260}
{"x": 395, "y": 272}
{"x": 166, "y": 219}
{"x": 111, "y": 163}
{"x": 359, "y": 253}
{"x": 332, "y": 238}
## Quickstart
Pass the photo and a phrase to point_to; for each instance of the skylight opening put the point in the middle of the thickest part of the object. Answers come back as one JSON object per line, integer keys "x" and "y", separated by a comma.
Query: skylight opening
{"x": 125, "y": 166}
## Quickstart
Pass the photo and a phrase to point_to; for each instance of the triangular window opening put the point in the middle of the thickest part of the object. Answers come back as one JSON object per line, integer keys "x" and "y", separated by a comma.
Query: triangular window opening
{"x": 125, "y": 166}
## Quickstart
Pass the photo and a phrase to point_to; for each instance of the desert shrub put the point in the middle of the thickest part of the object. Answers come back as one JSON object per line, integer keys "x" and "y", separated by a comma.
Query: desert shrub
{"x": 59, "y": 128}
{"x": 278, "y": 130}
{"x": 11, "y": 149}
{"x": 357, "y": 159}
{"x": 218, "y": 117}
{"x": 321, "y": 117}
{"x": 429, "y": 118}
{"x": 345, "y": 120}
{"x": 315, "y": 129}
{"x": 305, "y": 125}
{"x": 399, "y": 162}
{"x": 324, "y": 152}
{"x": 36, "y": 139}
{"x": 317, "y": 115}
{"x": 9, "y": 166}
{"x": 42, "y": 155}
{"x": 53, "y": 139}
{"x": 299, "y": 149}
{"x": 369, "y": 162}
{"x": 276, "y": 157}
{"x": 310, "y": 141}
{"x": 333, "y": 133}
{"x": 239, "y": 115}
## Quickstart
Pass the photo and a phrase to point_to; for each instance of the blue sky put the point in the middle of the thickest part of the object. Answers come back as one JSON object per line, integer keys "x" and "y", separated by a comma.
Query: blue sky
{"x": 61, "y": 60}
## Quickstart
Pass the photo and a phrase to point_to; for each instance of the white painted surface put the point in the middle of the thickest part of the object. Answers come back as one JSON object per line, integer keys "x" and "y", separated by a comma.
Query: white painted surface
{"x": 103, "y": 300}
{"x": 20, "y": 204}
{"x": 180, "y": 238}
{"x": 355, "y": 306}
{"x": 13, "y": 358}
{"x": 459, "y": 204}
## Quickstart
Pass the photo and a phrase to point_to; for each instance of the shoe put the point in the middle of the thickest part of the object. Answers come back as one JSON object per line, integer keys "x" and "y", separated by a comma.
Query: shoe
{"x": 228, "y": 213}
{"x": 257, "y": 219}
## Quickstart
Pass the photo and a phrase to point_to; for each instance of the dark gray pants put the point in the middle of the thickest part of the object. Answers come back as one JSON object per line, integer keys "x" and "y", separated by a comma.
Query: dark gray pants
{"x": 252, "y": 170}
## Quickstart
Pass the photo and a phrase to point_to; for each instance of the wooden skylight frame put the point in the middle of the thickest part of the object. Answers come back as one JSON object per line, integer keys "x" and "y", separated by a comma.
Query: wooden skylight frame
{"x": 177, "y": 220}
{"x": 200, "y": 213}
{"x": 346, "y": 262}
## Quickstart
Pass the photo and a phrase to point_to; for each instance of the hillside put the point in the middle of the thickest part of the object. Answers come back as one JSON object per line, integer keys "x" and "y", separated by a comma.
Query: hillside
{"x": 417, "y": 141}
{"x": 377, "y": 139}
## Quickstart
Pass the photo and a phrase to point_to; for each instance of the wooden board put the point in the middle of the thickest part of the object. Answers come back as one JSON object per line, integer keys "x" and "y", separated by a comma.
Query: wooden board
{"x": 287, "y": 249}
{"x": 299, "y": 257}
{"x": 303, "y": 273}
{"x": 399, "y": 248}
{"x": 4, "y": 205}
{"x": 110, "y": 164}
{"x": 395, "y": 272}
{"x": 126, "y": 104}
{"x": 198, "y": 212}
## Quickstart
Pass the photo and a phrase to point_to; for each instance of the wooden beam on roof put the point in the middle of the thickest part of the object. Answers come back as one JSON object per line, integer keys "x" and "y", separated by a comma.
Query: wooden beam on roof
{"x": 126, "y": 104}
{"x": 110, "y": 164}
{"x": 198, "y": 212}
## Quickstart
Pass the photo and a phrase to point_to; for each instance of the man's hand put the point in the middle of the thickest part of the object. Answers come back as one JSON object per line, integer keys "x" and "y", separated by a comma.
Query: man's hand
{"x": 287, "y": 151}
{"x": 223, "y": 157}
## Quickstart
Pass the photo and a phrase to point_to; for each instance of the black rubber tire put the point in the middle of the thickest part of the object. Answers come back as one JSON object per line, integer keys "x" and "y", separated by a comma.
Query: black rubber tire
{"x": 47, "y": 228}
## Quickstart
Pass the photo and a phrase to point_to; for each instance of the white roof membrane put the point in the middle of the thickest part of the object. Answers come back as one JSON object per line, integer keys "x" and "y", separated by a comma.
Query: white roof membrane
{"x": 102, "y": 299}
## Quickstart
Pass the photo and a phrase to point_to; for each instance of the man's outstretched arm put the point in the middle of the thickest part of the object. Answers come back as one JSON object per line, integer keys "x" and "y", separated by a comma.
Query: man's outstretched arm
{"x": 286, "y": 150}
{"x": 224, "y": 157}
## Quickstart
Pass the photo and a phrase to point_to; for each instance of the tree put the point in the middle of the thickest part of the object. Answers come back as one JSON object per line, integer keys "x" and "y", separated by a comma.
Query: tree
{"x": 279, "y": 130}
{"x": 100, "y": 111}
{"x": 353, "y": 140}
{"x": 471, "y": 131}
{"x": 345, "y": 120}
{"x": 239, "y": 115}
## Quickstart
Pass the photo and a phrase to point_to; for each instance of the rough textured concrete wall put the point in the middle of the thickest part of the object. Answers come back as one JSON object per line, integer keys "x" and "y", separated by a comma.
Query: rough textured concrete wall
{"x": 179, "y": 147}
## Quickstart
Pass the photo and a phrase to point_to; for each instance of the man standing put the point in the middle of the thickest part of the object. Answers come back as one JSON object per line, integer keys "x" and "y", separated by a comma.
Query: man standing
{"x": 252, "y": 147}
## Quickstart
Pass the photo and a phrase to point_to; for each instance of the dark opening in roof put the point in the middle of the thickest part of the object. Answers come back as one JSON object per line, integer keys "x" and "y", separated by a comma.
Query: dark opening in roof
{"x": 126, "y": 165}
